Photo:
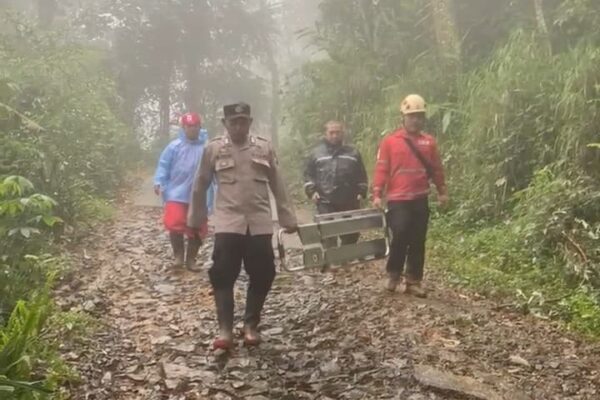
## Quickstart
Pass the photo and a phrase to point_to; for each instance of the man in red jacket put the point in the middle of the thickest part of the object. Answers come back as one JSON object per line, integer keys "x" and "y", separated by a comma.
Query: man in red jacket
{"x": 406, "y": 162}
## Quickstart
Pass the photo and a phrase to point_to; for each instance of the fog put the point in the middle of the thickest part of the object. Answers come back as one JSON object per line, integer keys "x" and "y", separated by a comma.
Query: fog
{"x": 506, "y": 193}
{"x": 171, "y": 57}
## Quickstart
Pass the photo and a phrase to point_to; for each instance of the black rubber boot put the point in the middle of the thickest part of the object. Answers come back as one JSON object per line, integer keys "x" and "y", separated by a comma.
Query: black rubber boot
{"x": 178, "y": 245}
{"x": 224, "y": 303}
{"x": 254, "y": 306}
{"x": 193, "y": 246}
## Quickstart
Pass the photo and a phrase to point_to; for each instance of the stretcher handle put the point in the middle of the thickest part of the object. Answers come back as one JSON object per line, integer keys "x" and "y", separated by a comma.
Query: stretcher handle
{"x": 282, "y": 255}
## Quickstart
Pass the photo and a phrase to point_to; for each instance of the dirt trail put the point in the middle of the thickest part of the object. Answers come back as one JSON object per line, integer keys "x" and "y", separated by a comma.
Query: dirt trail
{"x": 332, "y": 336}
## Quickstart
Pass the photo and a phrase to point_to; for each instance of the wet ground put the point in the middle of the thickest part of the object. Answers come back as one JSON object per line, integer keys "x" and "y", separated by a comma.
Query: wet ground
{"x": 327, "y": 336}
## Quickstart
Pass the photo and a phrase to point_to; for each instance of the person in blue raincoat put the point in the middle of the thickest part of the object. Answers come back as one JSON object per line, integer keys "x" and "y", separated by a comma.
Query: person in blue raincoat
{"x": 173, "y": 181}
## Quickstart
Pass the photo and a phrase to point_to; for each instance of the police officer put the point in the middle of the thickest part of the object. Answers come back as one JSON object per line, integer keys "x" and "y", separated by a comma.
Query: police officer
{"x": 335, "y": 177}
{"x": 245, "y": 167}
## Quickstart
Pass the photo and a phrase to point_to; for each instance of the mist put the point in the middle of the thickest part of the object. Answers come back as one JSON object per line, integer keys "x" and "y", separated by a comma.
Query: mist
{"x": 507, "y": 97}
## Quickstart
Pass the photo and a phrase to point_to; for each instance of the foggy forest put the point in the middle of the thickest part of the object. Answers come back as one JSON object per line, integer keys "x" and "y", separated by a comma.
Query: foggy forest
{"x": 95, "y": 93}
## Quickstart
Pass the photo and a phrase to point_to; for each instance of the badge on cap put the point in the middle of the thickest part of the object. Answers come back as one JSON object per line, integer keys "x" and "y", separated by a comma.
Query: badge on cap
{"x": 237, "y": 109}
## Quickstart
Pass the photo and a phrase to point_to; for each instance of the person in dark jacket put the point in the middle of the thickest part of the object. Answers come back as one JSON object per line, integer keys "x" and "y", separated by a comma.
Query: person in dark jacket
{"x": 335, "y": 177}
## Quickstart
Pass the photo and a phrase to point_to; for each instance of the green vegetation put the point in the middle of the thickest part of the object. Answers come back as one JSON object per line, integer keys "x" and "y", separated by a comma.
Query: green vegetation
{"x": 27, "y": 222}
{"x": 515, "y": 104}
{"x": 514, "y": 99}
{"x": 63, "y": 153}
{"x": 82, "y": 91}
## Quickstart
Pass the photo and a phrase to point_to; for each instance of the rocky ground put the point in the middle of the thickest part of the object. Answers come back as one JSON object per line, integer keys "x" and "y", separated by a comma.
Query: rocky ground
{"x": 327, "y": 336}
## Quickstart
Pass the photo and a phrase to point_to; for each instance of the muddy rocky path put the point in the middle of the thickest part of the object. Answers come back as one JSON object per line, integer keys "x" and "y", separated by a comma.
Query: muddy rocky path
{"x": 327, "y": 336}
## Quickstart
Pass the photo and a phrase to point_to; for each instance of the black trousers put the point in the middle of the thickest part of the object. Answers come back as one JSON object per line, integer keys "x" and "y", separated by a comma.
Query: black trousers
{"x": 326, "y": 208}
{"x": 230, "y": 249}
{"x": 408, "y": 221}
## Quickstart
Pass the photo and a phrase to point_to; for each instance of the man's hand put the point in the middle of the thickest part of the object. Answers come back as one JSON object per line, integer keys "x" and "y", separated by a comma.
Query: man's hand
{"x": 316, "y": 197}
{"x": 359, "y": 197}
{"x": 157, "y": 190}
{"x": 377, "y": 202}
{"x": 443, "y": 199}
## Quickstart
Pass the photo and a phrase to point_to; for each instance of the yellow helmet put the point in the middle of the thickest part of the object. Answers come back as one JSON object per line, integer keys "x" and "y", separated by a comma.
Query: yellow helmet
{"x": 413, "y": 103}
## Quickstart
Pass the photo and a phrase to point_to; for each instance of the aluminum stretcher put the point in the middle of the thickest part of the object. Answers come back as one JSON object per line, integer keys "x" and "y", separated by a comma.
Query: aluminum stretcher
{"x": 316, "y": 254}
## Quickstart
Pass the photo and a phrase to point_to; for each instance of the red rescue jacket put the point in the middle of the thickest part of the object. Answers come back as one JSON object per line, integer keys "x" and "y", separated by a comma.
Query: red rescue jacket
{"x": 400, "y": 174}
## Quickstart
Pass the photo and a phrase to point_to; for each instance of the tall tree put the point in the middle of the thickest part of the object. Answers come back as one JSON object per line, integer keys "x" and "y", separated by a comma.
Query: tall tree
{"x": 47, "y": 10}
{"x": 446, "y": 34}
{"x": 273, "y": 68}
{"x": 542, "y": 26}
{"x": 200, "y": 50}
{"x": 270, "y": 60}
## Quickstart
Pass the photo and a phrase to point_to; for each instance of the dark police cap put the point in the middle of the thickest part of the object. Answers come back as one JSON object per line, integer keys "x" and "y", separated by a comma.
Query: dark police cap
{"x": 237, "y": 110}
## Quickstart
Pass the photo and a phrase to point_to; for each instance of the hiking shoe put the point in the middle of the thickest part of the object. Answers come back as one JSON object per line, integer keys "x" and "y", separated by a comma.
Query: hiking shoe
{"x": 416, "y": 290}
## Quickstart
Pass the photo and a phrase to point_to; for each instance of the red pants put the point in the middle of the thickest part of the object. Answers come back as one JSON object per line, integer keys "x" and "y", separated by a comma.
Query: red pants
{"x": 175, "y": 220}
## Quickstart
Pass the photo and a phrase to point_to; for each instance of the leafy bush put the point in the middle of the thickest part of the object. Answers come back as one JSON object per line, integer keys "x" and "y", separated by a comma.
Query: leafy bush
{"x": 561, "y": 217}
{"x": 18, "y": 340}
{"x": 26, "y": 220}
{"x": 523, "y": 113}
{"x": 518, "y": 131}
{"x": 60, "y": 132}
{"x": 78, "y": 148}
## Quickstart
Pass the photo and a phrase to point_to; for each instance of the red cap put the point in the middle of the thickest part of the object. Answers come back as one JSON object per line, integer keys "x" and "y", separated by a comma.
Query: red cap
{"x": 190, "y": 119}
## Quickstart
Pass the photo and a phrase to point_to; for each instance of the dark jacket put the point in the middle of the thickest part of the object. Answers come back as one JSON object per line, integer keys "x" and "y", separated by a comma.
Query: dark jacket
{"x": 337, "y": 173}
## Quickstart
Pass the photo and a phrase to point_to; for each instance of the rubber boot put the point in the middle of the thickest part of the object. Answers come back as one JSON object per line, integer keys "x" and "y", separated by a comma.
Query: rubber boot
{"x": 224, "y": 303}
{"x": 178, "y": 245}
{"x": 392, "y": 282}
{"x": 193, "y": 246}
{"x": 254, "y": 306}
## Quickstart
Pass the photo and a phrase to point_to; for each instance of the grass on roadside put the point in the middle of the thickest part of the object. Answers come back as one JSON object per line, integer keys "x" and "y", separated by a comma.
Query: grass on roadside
{"x": 495, "y": 263}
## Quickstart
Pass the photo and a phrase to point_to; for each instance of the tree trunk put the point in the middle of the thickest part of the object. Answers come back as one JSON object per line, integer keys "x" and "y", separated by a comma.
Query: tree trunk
{"x": 275, "y": 97}
{"x": 164, "y": 99}
{"x": 367, "y": 16}
{"x": 446, "y": 35}
{"x": 271, "y": 64}
{"x": 192, "y": 90}
{"x": 541, "y": 23}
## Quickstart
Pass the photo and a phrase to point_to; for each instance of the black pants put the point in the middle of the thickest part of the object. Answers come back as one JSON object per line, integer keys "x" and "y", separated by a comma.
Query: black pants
{"x": 326, "y": 208}
{"x": 408, "y": 221}
{"x": 256, "y": 252}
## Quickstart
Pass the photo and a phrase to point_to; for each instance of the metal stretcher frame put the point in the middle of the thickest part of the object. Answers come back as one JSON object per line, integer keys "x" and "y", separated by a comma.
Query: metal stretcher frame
{"x": 313, "y": 235}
